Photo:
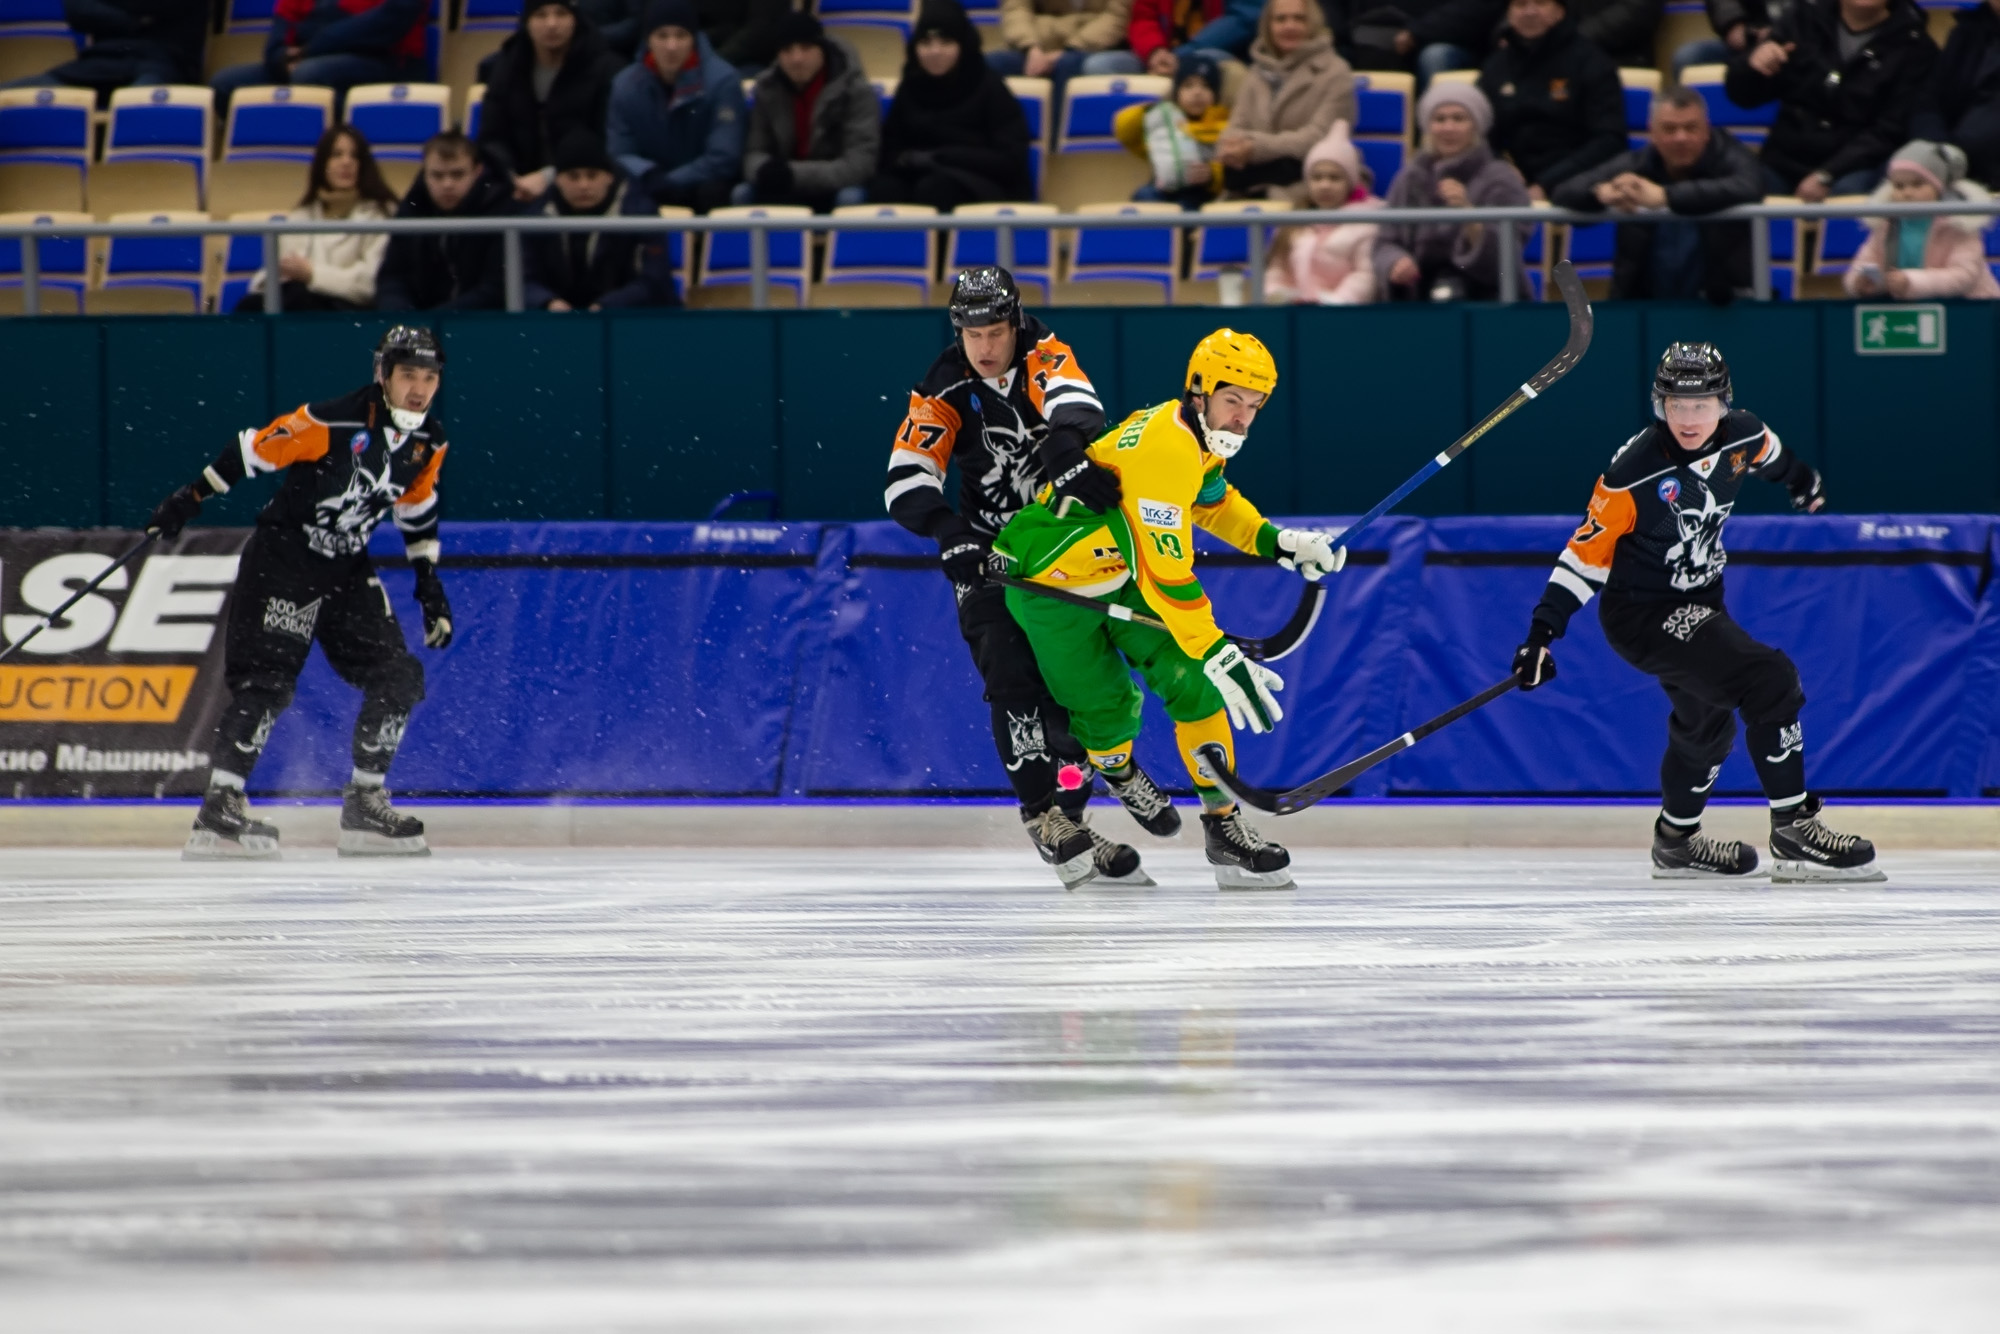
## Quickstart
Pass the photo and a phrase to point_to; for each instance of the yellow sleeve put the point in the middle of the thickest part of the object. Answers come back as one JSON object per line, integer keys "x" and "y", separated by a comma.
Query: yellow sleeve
{"x": 1238, "y": 522}
{"x": 1159, "y": 470}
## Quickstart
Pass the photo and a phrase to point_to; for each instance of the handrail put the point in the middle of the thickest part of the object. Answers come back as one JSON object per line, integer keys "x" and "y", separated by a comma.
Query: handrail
{"x": 513, "y": 228}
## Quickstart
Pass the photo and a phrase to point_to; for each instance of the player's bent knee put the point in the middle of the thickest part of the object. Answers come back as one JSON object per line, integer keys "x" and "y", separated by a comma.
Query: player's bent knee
{"x": 271, "y": 693}
{"x": 398, "y": 683}
{"x": 1777, "y": 695}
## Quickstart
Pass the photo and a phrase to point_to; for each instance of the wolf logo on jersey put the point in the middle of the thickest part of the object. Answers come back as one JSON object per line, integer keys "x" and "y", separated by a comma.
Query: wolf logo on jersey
{"x": 1697, "y": 560}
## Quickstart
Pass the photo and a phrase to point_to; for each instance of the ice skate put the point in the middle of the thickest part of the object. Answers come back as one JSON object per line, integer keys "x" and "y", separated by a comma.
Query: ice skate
{"x": 1243, "y": 858}
{"x": 1804, "y": 850}
{"x": 1065, "y": 845}
{"x": 1152, "y": 808}
{"x": 371, "y": 827}
{"x": 1117, "y": 863}
{"x": 224, "y": 830}
{"x": 1689, "y": 854}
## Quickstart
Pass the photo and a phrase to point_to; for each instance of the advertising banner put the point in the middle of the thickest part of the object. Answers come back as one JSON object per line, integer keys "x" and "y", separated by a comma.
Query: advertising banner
{"x": 118, "y": 698}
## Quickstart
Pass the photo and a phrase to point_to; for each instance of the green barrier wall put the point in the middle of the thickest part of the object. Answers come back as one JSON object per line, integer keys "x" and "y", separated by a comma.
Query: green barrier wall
{"x": 645, "y": 415}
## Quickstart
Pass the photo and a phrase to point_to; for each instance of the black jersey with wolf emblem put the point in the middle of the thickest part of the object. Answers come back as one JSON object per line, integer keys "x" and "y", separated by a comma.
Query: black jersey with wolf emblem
{"x": 993, "y": 428}
{"x": 1654, "y": 530}
{"x": 348, "y": 467}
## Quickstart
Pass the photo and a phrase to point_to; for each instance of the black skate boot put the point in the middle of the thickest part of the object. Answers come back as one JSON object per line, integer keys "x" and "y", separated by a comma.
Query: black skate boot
{"x": 1688, "y": 854}
{"x": 1117, "y": 863}
{"x": 1804, "y": 850}
{"x": 224, "y": 830}
{"x": 371, "y": 827}
{"x": 1152, "y": 808}
{"x": 1241, "y": 857}
{"x": 1064, "y": 845}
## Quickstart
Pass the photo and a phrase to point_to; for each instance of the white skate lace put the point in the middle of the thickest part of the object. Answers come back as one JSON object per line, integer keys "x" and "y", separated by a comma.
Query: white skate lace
{"x": 1712, "y": 850}
{"x": 1242, "y": 835}
{"x": 1139, "y": 796}
{"x": 235, "y": 804}
{"x": 1057, "y": 826}
{"x": 1827, "y": 840}
{"x": 375, "y": 802}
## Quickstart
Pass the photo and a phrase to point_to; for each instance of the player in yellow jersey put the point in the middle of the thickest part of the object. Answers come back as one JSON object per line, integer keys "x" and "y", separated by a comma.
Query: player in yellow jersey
{"x": 1169, "y": 460}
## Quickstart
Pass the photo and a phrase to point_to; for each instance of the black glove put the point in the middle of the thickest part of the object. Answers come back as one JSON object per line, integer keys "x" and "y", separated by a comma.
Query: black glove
{"x": 964, "y": 554}
{"x": 437, "y": 609}
{"x": 175, "y": 512}
{"x": 1809, "y": 496}
{"x": 1075, "y": 477}
{"x": 774, "y": 179}
{"x": 1533, "y": 664}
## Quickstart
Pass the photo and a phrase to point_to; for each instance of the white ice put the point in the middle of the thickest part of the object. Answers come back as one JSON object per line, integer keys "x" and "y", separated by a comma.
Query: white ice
{"x": 927, "y": 1091}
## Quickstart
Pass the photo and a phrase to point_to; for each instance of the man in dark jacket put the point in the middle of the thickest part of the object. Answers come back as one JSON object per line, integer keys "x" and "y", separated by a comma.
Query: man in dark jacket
{"x": 676, "y": 118}
{"x": 1739, "y": 25}
{"x": 129, "y": 43}
{"x": 438, "y": 271}
{"x": 1424, "y": 35}
{"x": 595, "y": 270}
{"x": 1963, "y": 107}
{"x": 1847, "y": 76}
{"x": 551, "y": 77}
{"x": 1689, "y": 169}
{"x": 1558, "y": 108}
{"x": 815, "y": 123}
{"x": 337, "y": 44}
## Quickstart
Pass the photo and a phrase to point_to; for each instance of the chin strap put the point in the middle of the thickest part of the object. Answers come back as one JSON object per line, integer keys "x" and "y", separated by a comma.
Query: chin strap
{"x": 1222, "y": 444}
{"x": 406, "y": 421}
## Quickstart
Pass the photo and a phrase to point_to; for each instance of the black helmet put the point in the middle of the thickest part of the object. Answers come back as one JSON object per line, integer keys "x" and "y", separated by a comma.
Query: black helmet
{"x": 985, "y": 295}
{"x": 1690, "y": 370}
{"x": 408, "y": 345}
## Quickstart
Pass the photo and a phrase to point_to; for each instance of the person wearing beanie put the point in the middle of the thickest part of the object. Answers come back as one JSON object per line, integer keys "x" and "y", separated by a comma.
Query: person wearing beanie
{"x": 1177, "y": 135}
{"x": 1058, "y": 39}
{"x": 589, "y": 270}
{"x": 1328, "y": 263}
{"x": 815, "y": 123}
{"x": 1925, "y": 259}
{"x": 551, "y": 76}
{"x": 1298, "y": 87}
{"x": 1453, "y": 168}
{"x": 676, "y": 118}
{"x": 954, "y": 133}
{"x": 1558, "y": 106}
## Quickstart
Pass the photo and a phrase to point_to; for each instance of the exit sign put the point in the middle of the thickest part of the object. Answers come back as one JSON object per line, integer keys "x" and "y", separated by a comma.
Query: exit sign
{"x": 1899, "y": 331}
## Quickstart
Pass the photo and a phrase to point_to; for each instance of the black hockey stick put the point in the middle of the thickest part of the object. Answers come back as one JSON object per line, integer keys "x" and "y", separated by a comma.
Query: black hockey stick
{"x": 152, "y": 535}
{"x": 1268, "y": 649}
{"x": 1296, "y": 800}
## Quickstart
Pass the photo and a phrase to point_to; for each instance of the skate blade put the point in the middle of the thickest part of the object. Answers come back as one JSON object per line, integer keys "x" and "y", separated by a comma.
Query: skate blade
{"x": 1236, "y": 878}
{"x": 366, "y": 843}
{"x": 1078, "y": 870}
{"x": 1696, "y": 873}
{"x": 1138, "y": 879}
{"x": 205, "y": 845}
{"x": 1812, "y": 873}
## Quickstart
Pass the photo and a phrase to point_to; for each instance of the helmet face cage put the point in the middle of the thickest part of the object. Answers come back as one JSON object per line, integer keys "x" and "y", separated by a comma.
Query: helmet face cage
{"x": 408, "y": 345}
{"x": 986, "y": 295}
{"x": 1690, "y": 370}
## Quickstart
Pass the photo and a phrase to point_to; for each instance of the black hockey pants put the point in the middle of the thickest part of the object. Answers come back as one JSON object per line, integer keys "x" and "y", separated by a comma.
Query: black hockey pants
{"x": 1030, "y": 730}
{"x": 1712, "y": 669}
{"x": 286, "y": 597}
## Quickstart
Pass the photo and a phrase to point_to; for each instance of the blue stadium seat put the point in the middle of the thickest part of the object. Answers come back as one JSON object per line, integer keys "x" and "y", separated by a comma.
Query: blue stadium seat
{"x": 1128, "y": 258}
{"x": 1035, "y": 96}
{"x": 1590, "y": 249}
{"x": 489, "y": 15}
{"x": 164, "y": 273}
{"x": 1838, "y": 240}
{"x": 1640, "y": 85}
{"x": 276, "y": 123}
{"x": 33, "y": 18}
{"x": 396, "y": 118}
{"x": 248, "y": 17}
{"x": 904, "y": 263}
{"x": 725, "y": 259}
{"x": 1033, "y": 256}
{"x": 475, "y": 103}
{"x": 1219, "y": 249}
{"x": 1385, "y": 105}
{"x": 45, "y": 143}
{"x": 63, "y": 261}
{"x": 1090, "y": 165}
{"x": 156, "y": 151}
{"x": 1750, "y": 124}
{"x": 242, "y": 257}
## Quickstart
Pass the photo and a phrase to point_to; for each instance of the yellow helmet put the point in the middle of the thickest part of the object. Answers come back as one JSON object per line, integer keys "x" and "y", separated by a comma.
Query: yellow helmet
{"x": 1229, "y": 357}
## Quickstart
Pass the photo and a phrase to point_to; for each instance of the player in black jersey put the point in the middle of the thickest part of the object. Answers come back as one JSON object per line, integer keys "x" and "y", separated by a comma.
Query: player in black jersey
{"x": 306, "y": 576}
{"x": 1008, "y": 403}
{"x": 1652, "y": 545}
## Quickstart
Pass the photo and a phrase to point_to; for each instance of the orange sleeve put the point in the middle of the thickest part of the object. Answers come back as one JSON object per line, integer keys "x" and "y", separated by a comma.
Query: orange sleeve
{"x": 1058, "y": 388}
{"x": 425, "y": 485}
{"x": 1612, "y": 515}
{"x": 929, "y": 432}
{"x": 296, "y": 437}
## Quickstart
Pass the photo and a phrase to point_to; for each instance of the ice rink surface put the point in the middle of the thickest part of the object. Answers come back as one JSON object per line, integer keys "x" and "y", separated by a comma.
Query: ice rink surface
{"x": 898, "y": 1090}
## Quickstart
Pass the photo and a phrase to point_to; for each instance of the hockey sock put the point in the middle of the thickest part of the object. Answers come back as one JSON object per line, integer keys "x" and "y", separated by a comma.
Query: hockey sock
{"x": 1113, "y": 763}
{"x": 1779, "y": 752}
{"x": 378, "y": 731}
{"x": 1022, "y": 743}
{"x": 240, "y": 737}
{"x": 363, "y": 778}
{"x": 1212, "y": 730}
{"x": 224, "y": 778}
{"x": 1684, "y": 790}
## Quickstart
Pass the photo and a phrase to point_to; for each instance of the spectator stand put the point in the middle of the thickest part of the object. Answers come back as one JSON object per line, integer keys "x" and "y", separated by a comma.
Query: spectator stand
{"x": 985, "y": 16}
{"x": 246, "y": 27}
{"x": 141, "y": 274}
{"x": 1036, "y": 96}
{"x": 235, "y": 260}
{"x": 478, "y": 29}
{"x": 157, "y": 146}
{"x": 267, "y": 146}
{"x": 1385, "y": 112}
{"x": 34, "y": 36}
{"x": 680, "y": 249}
{"x": 875, "y": 268}
{"x": 396, "y": 119}
{"x": 45, "y": 142}
{"x": 727, "y": 273}
{"x": 1123, "y": 266}
{"x": 879, "y": 30}
{"x": 1090, "y": 167}
{"x": 1221, "y": 255}
{"x": 1026, "y": 252}
{"x": 470, "y": 107}
{"x": 1640, "y": 85}
{"x": 62, "y": 265}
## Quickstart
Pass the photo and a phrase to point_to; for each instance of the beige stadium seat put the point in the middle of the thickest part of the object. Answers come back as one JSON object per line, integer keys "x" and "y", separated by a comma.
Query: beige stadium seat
{"x": 879, "y": 268}
{"x": 1090, "y": 165}
{"x": 723, "y": 276}
{"x": 458, "y": 62}
{"x": 1454, "y": 76}
{"x": 24, "y": 57}
{"x": 157, "y": 145}
{"x": 150, "y": 275}
{"x": 246, "y": 187}
{"x": 1122, "y": 266}
{"x": 65, "y": 266}
{"x": 680, "y": 247}
{"x": 48, "y": 134}
{"x": 1034, "y": 248}
{"x": 468, "y": 110}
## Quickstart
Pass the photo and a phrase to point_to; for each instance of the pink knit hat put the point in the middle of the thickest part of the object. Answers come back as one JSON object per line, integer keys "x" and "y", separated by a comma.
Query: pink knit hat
{"x": 1338, "y": 149}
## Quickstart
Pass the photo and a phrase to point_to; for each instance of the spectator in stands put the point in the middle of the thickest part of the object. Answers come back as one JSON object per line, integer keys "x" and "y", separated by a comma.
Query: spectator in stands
{"x": 1453, "y": 169}
{"x": 954, "y": 133}
{"x": 448, "y": 271}
{"x": 1621, "y": 29}
{"x": 1925, "y": 259}
{"x": 336, "y": 44}
{"x": 1056, "y": 39}
{"x": 1847, "y": 76}
{"x": 1298, "y": 87}
{"x": 1177, "y": 135}
{"x": 1690, "y": 169}
{"x": 332, "y": 270}
{"x": 815, "y": 123}
{"x": 1739, "y": 25}
{"x": 1964, "y": 102}
{"x": 1558, "y": 108}
{"x": 1427, "y": 36}
{"x": 1163, "y": 33}
{"x": 549, "y": 78}
{"x": 595, "y": 270}
{"x": 676, "y": 121}
{"x": 1328, "y": 263}
{"x": 744, "y": 32}
{"x": 617, "y": 22}
{"x": 129, "y": 43}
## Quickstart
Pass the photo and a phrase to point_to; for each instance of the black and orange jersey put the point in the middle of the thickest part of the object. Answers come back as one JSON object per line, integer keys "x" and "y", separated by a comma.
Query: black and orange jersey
{"x": 1654, "y": 529}
{"x": 993, "y": 429}
{"x": 346, "y": 467}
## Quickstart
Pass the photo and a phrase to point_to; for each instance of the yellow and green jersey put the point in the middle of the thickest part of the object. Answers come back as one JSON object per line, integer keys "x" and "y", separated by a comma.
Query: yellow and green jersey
{"x": 1170, "y": 486}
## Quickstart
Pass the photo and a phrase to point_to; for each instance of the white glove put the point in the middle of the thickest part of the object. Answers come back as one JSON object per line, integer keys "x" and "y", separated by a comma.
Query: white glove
{"x": 1246, "y": 688}
{"x": 1310, "y": 553}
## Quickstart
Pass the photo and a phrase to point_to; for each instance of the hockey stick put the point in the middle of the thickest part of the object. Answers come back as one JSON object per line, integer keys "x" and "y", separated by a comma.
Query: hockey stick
{"x": 1268, "y": 649}
{"x": 152, "y": 535}
{"x": 1581, "y": 324}
{"x": 1296, "y": 800}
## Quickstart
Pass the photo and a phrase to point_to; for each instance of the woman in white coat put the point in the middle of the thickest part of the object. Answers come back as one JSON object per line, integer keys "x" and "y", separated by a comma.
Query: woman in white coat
{"x": 332, "y": 270}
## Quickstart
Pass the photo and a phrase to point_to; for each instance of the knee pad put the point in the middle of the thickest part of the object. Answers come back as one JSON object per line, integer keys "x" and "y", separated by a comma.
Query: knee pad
{"x": 1776, "y": 696}
{"x": 398, "y": 683}
{"x": 262, "y": 693}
